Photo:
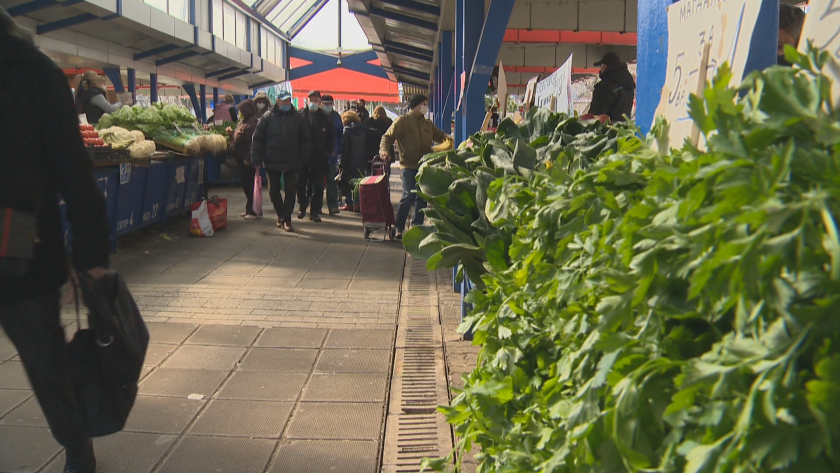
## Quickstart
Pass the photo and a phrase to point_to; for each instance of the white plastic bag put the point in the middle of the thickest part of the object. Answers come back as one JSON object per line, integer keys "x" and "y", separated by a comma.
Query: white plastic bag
{"x": 201, "y": 225}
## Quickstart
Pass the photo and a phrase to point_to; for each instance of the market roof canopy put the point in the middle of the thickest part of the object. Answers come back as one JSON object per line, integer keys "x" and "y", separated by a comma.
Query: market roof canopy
{"x": 290, "y": 16}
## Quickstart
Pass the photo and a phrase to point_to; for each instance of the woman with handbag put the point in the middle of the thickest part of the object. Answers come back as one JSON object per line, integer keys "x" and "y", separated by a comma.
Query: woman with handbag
{"x": 240, "y": 146}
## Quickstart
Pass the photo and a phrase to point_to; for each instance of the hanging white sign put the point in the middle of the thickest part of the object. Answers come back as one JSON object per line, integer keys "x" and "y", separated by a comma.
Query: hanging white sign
{"x": 822, "y": 26}
{"x": 559, "y": 86}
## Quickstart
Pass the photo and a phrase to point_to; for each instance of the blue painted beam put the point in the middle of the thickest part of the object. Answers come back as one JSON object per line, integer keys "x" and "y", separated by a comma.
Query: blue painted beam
{"x": 176, "y": 58}
{"x": 405, "y": 47}
{"x": 412, "y": 73}
{"x": 215, "y": 96}
{"x": 30, "y": 7}
{"x": 190, "y": 90}
{"x": 413, "y": 55}
{"x": 66, "y": 23}
{"x": 324, "y": 62}
{"x": 447, "y": 74}
{"x": 155, "y": 51}
{"x": 416, "y": 6}
{"x": 114, "y": 75}
{"x": 132, "y": 84}
{"x": 474, "y": 22}
{"x": 459, "y": 69}
{"x": 402, "y": 18}
{"x": 153, "y": 87}
{"x": 202, "y": 97}
{"x": 220, "y": 72}
{"x": 492, "y": 35}
{"x": 360, "y": 62}
{"x": 234, "y": 74}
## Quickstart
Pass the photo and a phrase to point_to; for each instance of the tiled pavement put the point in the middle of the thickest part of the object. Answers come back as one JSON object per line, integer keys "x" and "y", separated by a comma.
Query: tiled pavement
{"x": 270, "y": 352}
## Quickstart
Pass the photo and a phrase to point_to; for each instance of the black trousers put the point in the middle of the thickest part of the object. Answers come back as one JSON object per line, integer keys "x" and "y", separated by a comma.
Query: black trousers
{"x": 246, "y": 178}
{"x": 34, "y": 327}
{"x": 284, "y": 208}
{"x": 310, "y": 187}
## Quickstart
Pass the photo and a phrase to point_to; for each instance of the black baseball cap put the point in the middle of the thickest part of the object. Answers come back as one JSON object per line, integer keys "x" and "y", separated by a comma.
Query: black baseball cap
{"x": 314, "y": 93}
{"x": 327, "y": 98}
{"x": 610, "y": 59}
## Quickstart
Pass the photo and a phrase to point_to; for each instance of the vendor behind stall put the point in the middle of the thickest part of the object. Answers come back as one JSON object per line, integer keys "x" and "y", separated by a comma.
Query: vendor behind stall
{"x": 225, "y": 111}
{"x": 91, "y": 98}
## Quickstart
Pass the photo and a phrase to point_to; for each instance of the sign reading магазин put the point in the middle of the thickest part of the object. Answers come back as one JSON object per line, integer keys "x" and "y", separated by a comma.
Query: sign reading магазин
{"x": 822, "y": 27}
{"x": 725, "y": 24}
{"x": 559, "y": 86}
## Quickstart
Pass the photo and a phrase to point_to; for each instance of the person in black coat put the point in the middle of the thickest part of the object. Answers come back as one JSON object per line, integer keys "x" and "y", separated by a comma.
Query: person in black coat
{"x": 44, "y": 159}
{"x": 354, "y": 153}
{"x": 282, "y": 143}
{"x": 310, "y": 186}
{"x": 241, "y": 148}
{"x": 615, "y": 93}
{"x": 362, "y": 111}
{"x": 379, "y": 120}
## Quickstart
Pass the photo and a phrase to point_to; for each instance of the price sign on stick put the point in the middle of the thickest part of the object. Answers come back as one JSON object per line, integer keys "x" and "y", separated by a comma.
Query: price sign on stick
{"x": 725, "y": 24}
{"x": 556, "y": 88}
{"x": 822, "y": 27}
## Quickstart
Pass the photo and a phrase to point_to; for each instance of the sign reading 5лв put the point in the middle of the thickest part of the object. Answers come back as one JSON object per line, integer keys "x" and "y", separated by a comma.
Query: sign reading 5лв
{"x": 725, "y": 24}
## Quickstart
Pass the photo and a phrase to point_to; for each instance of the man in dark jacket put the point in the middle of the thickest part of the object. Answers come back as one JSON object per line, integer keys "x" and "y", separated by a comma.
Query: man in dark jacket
{"x": 615, "y": 93}
{"x": 241, "y": 147}
{"x": 44, "y": 159}
{"x": 332, "y": 186}
{"x": 311, "y": 179}
{"x": 362, "y": 111}
{"x": 282, "y": 143}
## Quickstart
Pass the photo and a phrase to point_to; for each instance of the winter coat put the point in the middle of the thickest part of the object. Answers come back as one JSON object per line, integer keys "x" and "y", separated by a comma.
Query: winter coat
{"x": 615, "y": 93}
{"x": 381, "y": 124}
{"x": 353, "y": 151}
{"x": 339, "y": 136}
{"x": 244, "y": 133}
{"x": 415, "y": 135}
{"x": 225, "y": 112}
{"x": 84, "y": 106}
{"x": 363, "y": 113}
{"x": 282, "y": 141}
{"x": 322, "y": 130}
{"x": 44, "y": 160}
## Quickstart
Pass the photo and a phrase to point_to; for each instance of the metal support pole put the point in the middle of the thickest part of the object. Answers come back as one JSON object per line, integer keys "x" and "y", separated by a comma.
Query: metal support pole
{"x": 153, "y": 87}
{"x": 190, "y": 90}
{"x": 459, "y": 69}
{"x": 132, "y": 84}
{"x": 447, "y": 72}
{"x": 202, "y": 95}
{"x": 215, "y": 96}
{"x": 114, "y": 75}
{"x": 474, "y": 21}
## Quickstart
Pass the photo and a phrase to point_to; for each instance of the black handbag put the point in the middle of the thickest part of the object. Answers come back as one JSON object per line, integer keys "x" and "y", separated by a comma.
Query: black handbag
{"x": 107, "y": 357}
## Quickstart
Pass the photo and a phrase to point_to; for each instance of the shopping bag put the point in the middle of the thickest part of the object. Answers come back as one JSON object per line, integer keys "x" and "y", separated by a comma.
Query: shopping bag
{"x": 217, "y": 209}
{"x": 258, "y": 185}
{"x": 201, "y": 225}
{"x": 107, "y": 358}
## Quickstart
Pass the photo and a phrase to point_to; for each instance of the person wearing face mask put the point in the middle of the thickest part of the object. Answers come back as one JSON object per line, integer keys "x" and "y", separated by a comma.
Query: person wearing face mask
{"x": 262, "y": 103}
{"x": 791, "y": 19}
{"x": 415, "y": 135}
{"x": 338, "y": 126}
{"x": 282, "y": 144}
{"x": 310, "y": 185}
{"x": 614, "y": 94}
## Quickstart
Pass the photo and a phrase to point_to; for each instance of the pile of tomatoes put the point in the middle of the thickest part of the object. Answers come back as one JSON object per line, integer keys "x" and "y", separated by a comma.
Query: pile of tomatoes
{"x": 91, "y": 136}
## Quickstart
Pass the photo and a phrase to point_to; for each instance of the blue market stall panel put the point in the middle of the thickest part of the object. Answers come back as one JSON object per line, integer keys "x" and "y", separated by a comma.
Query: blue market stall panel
{"x": 130, "y": 199}
{"x": 154, "y": 195}
{"x": 178, "y": 174}
{"x": 195, "y": 178}
{"x": 109, "y": 182}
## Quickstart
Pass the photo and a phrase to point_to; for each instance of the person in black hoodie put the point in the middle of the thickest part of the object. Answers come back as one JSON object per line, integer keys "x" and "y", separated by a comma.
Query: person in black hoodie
{"x": 241, "y": 147}
{"x": 310, "y": 186}
{"x": 615, "y": 93}
{"x": 44, "y": 159}
{"x": 353, "y": 163}
{"x": 282, "y": 143}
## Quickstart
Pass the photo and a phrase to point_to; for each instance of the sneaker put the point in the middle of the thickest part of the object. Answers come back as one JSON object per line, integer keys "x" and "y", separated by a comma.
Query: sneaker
{"x": 315, "y": 218}
{"x": 279, "y": 223}
{"x": 334, "y": 211}
{"x": 302, "y": 213}
{"x": 80, "y": 459}
{"x": 398, "y": 236}
{"x": 253, "y": 217}
{"x": 288, "y": 227}
{"x": 345, "y": 208}
{"x": 244, "y": 214}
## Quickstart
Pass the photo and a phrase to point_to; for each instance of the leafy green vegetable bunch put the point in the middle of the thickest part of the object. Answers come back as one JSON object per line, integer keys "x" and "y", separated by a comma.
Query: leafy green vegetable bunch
{"x": 151, "y": 120}
{"x": 670, "y": 313}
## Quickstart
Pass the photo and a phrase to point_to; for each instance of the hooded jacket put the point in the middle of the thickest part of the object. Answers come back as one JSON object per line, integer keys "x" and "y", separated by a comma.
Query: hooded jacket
{"x": 282, "y": 141}
{"x": 44, "y": 160}
{"x": 322, "y": 130}
{"x": 244, "y": 133}
{"x": 615, "y": 93}
{"x": 415, "y": 135}
{"x": 354, "y": 150}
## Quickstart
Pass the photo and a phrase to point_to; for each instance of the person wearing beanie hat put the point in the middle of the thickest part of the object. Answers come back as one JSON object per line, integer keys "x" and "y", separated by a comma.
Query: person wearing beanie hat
{"x": 263, "y": 103}
{"x": 614, "y": 95}
{"x": 415, "y": 135}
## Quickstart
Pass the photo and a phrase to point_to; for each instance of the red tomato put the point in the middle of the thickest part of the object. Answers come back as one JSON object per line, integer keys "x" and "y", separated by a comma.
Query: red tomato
{"x": 100, "y": 142}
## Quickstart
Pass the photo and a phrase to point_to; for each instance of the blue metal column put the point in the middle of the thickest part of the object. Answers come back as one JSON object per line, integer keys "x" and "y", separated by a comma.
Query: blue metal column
{"x": 459, "y": 68}
{"x": 190, "y": 90}
{"x": 473, "y": 22}
{"x": 113, "y": 74}
{"x": 202, "y": 95}
{"x": 132, "y": 84}
{"x": 447, "y": 73}
{"x": 153, "y": 87}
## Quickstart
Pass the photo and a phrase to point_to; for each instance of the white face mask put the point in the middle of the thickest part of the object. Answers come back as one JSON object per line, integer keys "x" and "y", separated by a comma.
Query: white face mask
{"x": 260, "y": 106}
{"x": 424, "y": 110}
{"x": 313, "y": 107}
{"x": 328, "y": 108}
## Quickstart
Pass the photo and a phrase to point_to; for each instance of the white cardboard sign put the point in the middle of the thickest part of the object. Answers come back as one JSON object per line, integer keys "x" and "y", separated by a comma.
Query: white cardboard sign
{"x": 822, "y": 26}
{"x": 559, "y": 86}
{"x": 726, "y": 24}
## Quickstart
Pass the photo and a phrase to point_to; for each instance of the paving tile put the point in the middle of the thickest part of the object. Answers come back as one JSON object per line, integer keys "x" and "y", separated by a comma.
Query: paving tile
{"x": 183, "y": 382}
{"x": 240, "y": 268}
{"x": 326, "y": 457}
{"x": 257, "y": 304}
{"x": 272, "y": 282}
{"x": 291, "y": 338}
{"x": 9, "y": 399}
{"x": 124, "y": 452}
{"x": 365, "y": 284}
{"x": 353, "y": 338}
{"x": 323, "y": 283}
{"x": 29, "y": 413}
{"x": 222, "y": 335}
{"x": 260, "y": 386}
{"x": 243, "y": 419}
{"x": 169, "y": 333}
{"x": 157, "y": 352}
{"x": 338, "y": 421}
{"x": 354, "y": 361}
{"x": 7, "y": 349}
{"x": 164, "y": 415}
{"x": 355, "y": 387}
{"x": 221, "y": 304}
{"x": 279, "y": 359}
{"x": 12, "y": 376}
{"x": 226, "y": 280}
{"x": 209, "y": 454}
{"x": 26, "y": 449}
{"x": 205, "y": 358}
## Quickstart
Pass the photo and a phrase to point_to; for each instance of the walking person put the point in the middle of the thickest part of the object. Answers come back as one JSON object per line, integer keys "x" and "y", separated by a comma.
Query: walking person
{"x": 263, "y": 104}
{"x": 338, "y": 126}
{"x": 282, "y": 143}
{"x": 615, "y": 93}
{"x": 362, "y": 111}
{"x": 380, "y": 120}
{"x": 310, "y": 185}
{"x": 353, "y": 154}
{"x": 39, "y": 164}
{"x": 415, "y": 134}
{"x": 241, "y": 146}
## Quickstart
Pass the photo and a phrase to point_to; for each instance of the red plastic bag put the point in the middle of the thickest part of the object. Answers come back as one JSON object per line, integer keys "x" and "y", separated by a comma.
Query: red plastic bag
{"x": 200, "y": 225}
{"x": 217, "y": 209}
{"x": 258, "y": 195}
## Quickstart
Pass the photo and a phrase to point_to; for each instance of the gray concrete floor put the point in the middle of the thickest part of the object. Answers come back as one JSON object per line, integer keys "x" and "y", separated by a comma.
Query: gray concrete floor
{"x": 270, "y": 352}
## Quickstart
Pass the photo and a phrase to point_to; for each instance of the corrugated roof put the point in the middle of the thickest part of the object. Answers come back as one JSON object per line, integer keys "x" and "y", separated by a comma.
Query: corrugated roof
{"x": 289, "y": 16}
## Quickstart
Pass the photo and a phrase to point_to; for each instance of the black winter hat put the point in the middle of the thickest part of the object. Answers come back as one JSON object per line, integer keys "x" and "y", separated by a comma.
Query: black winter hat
{"x": 610, "y": 59}
{"x": 314, "y": 93}
{"x": 416, "y": 100}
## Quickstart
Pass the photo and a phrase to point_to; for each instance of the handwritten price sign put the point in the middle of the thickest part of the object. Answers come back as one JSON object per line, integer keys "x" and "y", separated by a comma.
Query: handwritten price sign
{"x": 725, "y": 25}
{"x": 822, "y": 26}
{"x": 559, "y": 86}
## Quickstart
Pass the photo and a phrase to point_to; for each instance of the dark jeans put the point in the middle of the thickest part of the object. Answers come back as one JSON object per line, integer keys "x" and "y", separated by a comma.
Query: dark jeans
{"x": 409, "y": 198}
{"x": 283, "y": 208}
{"x": 246, "y": 178}
{"x": 35, "y": 329}
{"x": 310, "y": 188}
{"x": 332, "y": 187}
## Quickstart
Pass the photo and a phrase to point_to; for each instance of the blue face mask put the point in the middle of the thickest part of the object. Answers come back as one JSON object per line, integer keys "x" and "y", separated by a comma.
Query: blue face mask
{"x": 285, "y": 108}
{"x": 313, "y": 107}
{"x": 328, "y": 108}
